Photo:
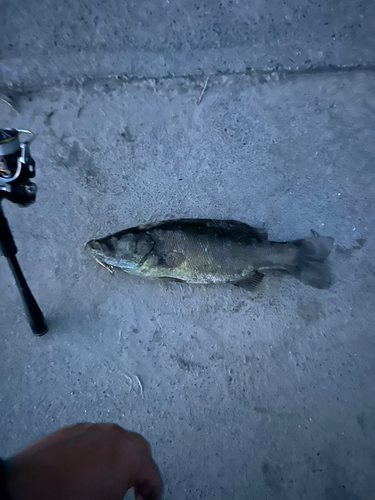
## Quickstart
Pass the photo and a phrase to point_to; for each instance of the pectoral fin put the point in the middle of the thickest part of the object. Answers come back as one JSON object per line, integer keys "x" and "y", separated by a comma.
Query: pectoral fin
{"x": 251, "y": 283}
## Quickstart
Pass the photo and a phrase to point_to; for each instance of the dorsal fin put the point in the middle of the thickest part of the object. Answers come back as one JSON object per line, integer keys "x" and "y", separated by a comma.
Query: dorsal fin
{"x": 221, "y": 228}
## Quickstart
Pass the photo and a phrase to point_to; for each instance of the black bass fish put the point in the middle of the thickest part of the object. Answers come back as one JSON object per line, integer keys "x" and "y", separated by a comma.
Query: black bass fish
{"x": 212, "y": 251}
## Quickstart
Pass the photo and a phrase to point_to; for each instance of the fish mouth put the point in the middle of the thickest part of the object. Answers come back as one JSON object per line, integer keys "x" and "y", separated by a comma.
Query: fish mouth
{"x": 96, "y": 251}
{"x": 93, "y": 246}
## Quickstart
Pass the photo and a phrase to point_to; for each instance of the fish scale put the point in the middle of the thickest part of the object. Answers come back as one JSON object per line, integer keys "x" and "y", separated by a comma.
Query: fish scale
{"x": 206, "y": 258}
{"x": 212, "y": 251}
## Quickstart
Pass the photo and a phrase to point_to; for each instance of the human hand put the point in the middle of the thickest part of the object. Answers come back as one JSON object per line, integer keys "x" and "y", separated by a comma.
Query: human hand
{"x": 85, "y": 462}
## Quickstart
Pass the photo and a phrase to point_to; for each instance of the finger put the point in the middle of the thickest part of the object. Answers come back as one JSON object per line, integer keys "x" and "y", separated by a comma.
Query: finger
{"x": 148, "y": 491}
{"x": 142, "y": 471}
{"x": 148, "y": 485}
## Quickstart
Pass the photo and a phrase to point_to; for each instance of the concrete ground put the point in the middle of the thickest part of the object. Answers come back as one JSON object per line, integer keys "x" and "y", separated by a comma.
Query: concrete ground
{"x": 241, "y": 396}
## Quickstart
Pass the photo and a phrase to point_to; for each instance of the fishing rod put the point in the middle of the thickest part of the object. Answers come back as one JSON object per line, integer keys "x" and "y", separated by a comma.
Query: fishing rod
{"x": 17, "y": 167}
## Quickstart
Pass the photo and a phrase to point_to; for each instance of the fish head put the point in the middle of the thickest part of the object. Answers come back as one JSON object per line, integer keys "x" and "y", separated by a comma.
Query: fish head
{"x": 127, "y": 251}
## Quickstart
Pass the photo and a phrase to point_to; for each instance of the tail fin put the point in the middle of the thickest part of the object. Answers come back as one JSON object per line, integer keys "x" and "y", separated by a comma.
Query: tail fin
{"x": 309, "y": 266}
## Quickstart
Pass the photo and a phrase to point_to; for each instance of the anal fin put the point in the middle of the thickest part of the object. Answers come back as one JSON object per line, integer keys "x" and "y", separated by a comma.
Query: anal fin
{"x": 251, "y": 283}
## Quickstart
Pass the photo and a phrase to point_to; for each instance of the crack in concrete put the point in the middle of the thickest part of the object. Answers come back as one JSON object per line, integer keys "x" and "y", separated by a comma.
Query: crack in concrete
{"x": 278, "y": 72}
